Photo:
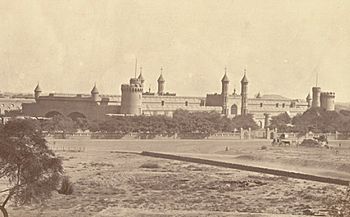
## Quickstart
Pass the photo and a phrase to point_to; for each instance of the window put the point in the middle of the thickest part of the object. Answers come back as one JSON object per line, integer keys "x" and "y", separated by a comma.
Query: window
{"x": 261, "y": 104}
{"x": 162, "y": 102}
{"x": 234, "y": 109}
{"x": 283, "y": 105}
{"x": 277, "y": 105}
{"x": 186, "y": 103}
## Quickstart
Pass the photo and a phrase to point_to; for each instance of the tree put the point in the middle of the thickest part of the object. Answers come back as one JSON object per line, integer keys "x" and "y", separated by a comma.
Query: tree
{"x": 244, "y": 121}
{"x": 81, "y": 124}
{"x": 320, "y": 121}
{"x": 30, "y": 168}
{"x": 281, "y": 122}
{"x": 59, "y": 123}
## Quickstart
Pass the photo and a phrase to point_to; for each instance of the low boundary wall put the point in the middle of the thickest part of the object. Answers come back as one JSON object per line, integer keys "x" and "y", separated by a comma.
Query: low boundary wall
{"x": 249, "y": 168}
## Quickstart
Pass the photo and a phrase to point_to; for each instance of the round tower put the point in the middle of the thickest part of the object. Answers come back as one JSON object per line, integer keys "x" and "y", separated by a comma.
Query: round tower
{"x": 95, "y": 93}
{"x": 308, "y": 100}
{"x": 316, "y": 94}
{"x": 131, "y": 102}
{"x": 37, "y": 92}
{"x": 244, "y": 94}
{"x": 328, "y": 101}
{"x": 161, "y": 83}
{"x": 224, "y": 92}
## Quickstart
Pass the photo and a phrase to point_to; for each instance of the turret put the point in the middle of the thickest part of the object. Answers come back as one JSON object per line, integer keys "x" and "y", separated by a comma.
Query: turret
{"x": 161, "y": 83}
{"x": 327, "y": 101}
{"x": 224, "y": 92}
{"x": 244, "y": 94}
{"x": 308, "y": 100}
{"x": 94, "y": 93}
{"x": 37, "y": 91}
{"x": 141, "y": 78}
{"x": 224, "y": 84}
{"x": 316, "y": 94}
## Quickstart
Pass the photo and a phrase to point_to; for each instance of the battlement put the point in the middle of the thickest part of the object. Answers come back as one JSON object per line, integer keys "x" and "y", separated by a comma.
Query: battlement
{"x": 328, "y": 94}
{"x": 131, "y": 88}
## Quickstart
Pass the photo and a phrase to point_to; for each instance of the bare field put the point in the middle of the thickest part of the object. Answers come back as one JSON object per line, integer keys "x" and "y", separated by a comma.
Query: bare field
{"x": 108, "y": 183}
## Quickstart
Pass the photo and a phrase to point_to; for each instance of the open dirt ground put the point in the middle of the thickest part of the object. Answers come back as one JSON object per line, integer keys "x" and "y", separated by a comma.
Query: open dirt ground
{"x": 108, "y": 183}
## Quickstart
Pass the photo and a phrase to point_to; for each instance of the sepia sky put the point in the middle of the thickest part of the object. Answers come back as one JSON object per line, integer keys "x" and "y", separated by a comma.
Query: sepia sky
{"x": 67, "y": 45}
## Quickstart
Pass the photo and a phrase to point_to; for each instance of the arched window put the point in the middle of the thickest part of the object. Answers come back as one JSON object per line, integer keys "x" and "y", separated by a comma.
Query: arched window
{"x": 234, "y": 109}
{"x": 277, "y": 105}
{"x": 186, "y": 103}
{"x": 162, "y": 102}
{"x": 261, "y": 104}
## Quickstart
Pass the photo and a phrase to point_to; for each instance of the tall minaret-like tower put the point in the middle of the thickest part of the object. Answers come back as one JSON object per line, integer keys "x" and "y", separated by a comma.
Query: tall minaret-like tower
{"x": 37, "y": 91}
{"x": 316, "y": 95}
{"x": 244, "y": 94}
{"x": 224, "y": 92}
{"x": 161, "y": 83}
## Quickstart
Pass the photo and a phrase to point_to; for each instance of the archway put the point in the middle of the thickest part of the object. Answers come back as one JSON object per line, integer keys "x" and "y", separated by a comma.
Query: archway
{"x": 52, "y": 114}
{"x": 76, "y": 115}
{"x": 234, "y": 109}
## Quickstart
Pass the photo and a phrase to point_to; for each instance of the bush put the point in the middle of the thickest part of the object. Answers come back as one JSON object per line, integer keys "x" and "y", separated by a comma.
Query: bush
{"x": 150, "y": 165}
{"x": 66, "y": 186}
{"x": 310, "y": 143}
{"x": 264, "y": 147}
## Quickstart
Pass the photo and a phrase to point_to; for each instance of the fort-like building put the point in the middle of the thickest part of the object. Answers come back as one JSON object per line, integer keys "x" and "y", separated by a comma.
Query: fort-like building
{"x": 134, "y": 100}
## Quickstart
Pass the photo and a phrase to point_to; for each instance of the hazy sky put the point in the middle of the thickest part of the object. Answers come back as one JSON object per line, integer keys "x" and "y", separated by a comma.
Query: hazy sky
{"x": 67, "y": 45}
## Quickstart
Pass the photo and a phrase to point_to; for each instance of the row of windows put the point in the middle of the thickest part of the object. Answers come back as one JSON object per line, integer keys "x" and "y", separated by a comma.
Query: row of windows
{"x": 162, "y": 103}
{"x": 283, "y": 105}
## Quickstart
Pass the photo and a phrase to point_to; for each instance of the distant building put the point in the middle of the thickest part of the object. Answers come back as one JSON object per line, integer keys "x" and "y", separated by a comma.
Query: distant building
{"x": 135, "y": 101}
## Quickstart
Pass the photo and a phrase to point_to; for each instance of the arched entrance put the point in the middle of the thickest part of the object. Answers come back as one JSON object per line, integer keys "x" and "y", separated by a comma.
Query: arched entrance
{"x": 234, "y": 109}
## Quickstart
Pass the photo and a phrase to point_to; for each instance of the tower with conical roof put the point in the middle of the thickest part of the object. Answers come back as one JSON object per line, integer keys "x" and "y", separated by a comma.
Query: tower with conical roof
{"x": 161, "y": 83}
{"x": 94, "y": 93}
{"x": 37, "y": 91}
{"x": 141, "y": 78}
{"x": 244, "y": 94}
{"x": 308, "y": 100}
{"x": 224, "y": 92}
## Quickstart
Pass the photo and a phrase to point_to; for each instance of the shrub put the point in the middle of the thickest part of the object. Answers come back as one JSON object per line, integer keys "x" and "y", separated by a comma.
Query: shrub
{"x": 66, "y": 186}
{"x": 264, "y": 147}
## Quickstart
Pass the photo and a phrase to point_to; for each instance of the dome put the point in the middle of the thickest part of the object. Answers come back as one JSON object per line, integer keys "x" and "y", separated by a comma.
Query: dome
{"x": 225, "y": 78}
{"x": 37, "y": 88}
{"x": 244, "y": 79}
{"x": 141, "y": 78}
{"x": 94, "y": 90}
{"x": 161, "y": 79}
{"x": 308, "y": 97}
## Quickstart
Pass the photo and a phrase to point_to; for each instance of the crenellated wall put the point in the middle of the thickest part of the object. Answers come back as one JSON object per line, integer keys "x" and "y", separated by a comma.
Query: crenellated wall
{"x": 327, "y": 101}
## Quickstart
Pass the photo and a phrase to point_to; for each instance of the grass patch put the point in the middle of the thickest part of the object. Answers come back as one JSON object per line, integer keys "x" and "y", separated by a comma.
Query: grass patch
{"x": 150, "y": 166}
